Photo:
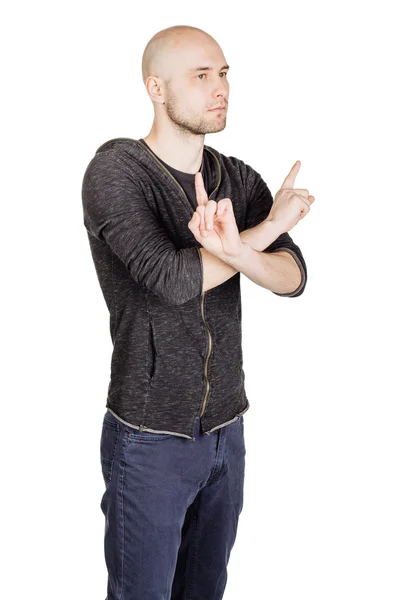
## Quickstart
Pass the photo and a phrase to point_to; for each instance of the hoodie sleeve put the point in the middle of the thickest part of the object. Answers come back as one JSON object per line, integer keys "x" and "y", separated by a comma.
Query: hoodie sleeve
{"x": 116, "y": 212}
{"x": 259, "y": 203}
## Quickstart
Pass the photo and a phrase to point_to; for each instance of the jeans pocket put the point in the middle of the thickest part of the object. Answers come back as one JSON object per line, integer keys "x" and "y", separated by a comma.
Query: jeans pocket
{"x": 108, "y": 445}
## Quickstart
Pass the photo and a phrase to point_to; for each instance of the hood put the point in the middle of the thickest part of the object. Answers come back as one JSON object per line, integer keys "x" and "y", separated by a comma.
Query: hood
{"x": 147, "y": 158}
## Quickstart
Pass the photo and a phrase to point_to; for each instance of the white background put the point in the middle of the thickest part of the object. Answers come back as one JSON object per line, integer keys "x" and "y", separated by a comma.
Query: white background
{"x": 316, "y": 82}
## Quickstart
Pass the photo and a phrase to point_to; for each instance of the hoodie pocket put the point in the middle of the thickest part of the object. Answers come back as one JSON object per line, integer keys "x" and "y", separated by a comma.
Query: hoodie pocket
{"x": 108, "y": 444}
{"x": 152, "y": 351}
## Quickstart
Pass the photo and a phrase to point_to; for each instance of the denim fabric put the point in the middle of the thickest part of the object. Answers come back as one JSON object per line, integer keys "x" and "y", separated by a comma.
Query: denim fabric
{"x": 171, "y": 508}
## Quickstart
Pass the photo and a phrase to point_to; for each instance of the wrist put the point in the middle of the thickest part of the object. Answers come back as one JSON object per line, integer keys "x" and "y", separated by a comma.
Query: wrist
{"x": 272, "y": 226}
{"x": 262, "y": 235}
{"x": 239, "y": 257}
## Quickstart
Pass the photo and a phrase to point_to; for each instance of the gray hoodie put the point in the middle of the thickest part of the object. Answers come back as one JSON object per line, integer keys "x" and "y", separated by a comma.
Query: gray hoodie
{"x": 177, "y": 351}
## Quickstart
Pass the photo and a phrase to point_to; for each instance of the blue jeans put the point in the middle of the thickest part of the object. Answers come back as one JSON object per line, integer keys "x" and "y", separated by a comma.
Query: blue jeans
{"x": 171, "y": 508}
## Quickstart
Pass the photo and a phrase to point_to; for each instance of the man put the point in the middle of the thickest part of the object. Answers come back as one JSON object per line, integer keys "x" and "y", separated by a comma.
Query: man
{"x": 172, "y": 223}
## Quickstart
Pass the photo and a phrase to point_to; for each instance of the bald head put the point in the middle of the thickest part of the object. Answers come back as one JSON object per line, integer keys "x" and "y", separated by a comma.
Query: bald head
{"x": 185, "y": 74}
{"x": 162, "y": 52}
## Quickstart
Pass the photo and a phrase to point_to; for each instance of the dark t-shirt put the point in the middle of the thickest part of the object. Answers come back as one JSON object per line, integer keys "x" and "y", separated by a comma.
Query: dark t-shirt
{"x": 187, "y": 179}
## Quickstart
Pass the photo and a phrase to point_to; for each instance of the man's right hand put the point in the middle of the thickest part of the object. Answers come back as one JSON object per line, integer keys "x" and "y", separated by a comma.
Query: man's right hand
{"x": 290, "y": 205}
{"x": 213, "y": 224}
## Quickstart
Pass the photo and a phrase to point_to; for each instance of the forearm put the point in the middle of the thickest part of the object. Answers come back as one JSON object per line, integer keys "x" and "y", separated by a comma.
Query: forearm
{"x": 276, "y": 271}
{"x": 216, "y": 270}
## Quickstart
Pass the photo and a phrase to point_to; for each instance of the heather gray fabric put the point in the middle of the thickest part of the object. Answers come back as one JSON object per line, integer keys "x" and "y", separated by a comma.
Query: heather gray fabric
{"x": 177, "y": 353}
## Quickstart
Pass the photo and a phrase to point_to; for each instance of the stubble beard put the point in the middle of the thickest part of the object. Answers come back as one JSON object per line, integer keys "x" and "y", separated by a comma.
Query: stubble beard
{"x": 190, "y": 122}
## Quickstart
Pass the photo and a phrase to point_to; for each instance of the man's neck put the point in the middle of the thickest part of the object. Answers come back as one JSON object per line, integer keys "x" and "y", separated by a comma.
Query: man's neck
{"x": 185, "y": 156}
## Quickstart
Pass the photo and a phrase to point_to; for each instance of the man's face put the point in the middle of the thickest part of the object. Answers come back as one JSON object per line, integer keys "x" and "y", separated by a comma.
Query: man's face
{"x": 192, "y": 91}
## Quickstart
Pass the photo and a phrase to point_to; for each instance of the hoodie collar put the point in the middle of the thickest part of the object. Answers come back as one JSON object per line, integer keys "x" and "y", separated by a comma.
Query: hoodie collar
{"x": 145, "y": 155}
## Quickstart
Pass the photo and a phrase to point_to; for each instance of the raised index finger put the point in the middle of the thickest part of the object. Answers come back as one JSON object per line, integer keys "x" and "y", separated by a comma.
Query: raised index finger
{"x": 289, "y": 180}
{"x": 201, "y": 194}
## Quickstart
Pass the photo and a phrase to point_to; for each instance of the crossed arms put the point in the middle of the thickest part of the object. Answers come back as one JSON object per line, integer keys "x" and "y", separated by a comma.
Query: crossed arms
{"x": 280, "y": 271}
{"x": 116, "y": 211}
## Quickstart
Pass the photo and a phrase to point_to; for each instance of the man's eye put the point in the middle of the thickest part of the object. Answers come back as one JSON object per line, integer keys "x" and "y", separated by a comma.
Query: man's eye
{"x": 222, "y": 73}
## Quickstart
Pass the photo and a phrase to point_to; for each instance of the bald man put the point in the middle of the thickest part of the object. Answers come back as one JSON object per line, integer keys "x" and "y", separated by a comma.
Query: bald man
{"x": 172, "y": 223}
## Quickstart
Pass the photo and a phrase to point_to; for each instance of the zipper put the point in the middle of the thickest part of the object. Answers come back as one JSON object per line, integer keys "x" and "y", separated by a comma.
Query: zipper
{"x": 208, "y": 356}
{"x": 190, "y": 207}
